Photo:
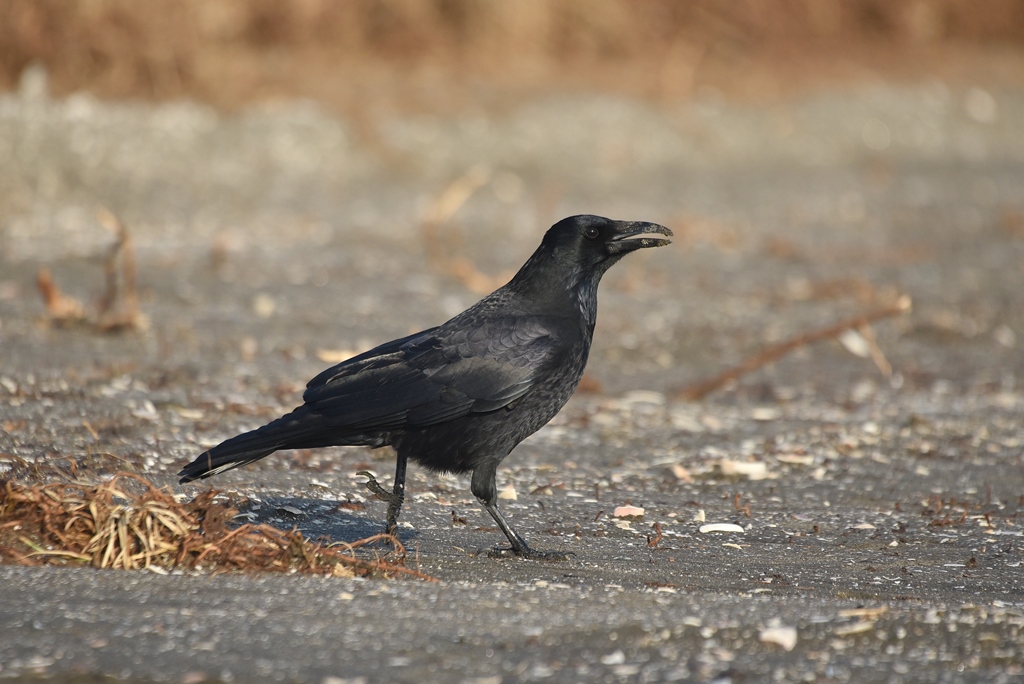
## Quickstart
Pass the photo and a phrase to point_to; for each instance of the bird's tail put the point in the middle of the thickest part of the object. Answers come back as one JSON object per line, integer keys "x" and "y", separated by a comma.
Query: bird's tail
{"x": 288, "y": 432}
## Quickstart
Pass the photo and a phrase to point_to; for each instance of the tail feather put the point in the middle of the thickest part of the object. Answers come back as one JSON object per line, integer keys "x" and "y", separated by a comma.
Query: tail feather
{"x": 287, "y": 432}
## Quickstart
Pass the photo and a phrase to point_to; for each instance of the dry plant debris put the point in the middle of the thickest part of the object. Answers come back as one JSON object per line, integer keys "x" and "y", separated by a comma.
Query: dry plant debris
{"x": 858, "y": 324}
{"x": 60, "y": 308}
{"x": 109, "y": 526}
{"x": 118, "y": 307}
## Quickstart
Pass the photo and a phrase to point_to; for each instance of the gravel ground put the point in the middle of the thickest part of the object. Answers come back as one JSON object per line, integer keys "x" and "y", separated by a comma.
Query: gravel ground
{"x": 880, "y": 515}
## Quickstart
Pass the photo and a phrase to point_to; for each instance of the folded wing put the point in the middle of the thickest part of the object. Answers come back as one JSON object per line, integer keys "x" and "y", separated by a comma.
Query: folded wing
{"x": 436, "y": 375}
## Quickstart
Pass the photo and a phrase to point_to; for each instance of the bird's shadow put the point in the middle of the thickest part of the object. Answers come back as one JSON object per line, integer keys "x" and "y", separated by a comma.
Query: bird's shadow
{"x": 316, "y": 519}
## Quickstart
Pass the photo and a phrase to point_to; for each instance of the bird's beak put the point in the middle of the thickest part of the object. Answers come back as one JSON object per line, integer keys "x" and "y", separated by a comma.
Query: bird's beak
{"x": 633, "y": 235}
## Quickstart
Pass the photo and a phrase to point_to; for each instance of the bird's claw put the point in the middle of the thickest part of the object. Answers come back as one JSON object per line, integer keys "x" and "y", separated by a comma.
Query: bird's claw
{"x": 530, "y": 554}
{"x": 393, "y": 500}
{"x": 375, "y": 488}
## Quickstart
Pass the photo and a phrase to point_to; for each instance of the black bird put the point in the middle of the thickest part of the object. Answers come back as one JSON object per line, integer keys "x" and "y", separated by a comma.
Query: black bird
{"x": 459, "y": 397}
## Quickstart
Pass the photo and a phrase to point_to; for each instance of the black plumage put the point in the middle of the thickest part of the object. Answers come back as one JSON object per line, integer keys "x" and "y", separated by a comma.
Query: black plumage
{"x": 459, "y": 397}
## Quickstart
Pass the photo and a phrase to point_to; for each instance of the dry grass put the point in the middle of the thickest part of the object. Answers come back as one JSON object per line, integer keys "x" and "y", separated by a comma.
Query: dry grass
{"x": 233, "y": 51}
{"x": 128, "y": 523}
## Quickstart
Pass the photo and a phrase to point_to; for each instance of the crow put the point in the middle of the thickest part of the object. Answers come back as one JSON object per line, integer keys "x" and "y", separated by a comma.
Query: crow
{"x": 459, "y": 397}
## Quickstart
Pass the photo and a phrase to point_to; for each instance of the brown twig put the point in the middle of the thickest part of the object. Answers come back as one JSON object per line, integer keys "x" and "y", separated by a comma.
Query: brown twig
{"x": 118, "y": 307}
{"x": 875, "y": 351}
{"x": 60, "y": 308}
{"x": 443, "y": 246}
{"x": 653, "y": 541}
{"x": 119, "y": 312}
{"x": 775, "y": 352}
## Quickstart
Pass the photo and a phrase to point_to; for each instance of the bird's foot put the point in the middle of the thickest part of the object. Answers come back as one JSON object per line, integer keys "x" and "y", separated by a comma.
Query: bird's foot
{"x": 393, "y": 499}
{"x": 530, "y": 554}
{"x": 375, "y": 488}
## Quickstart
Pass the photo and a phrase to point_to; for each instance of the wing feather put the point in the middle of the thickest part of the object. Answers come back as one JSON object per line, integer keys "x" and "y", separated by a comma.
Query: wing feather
{"x": 436, "y": 375}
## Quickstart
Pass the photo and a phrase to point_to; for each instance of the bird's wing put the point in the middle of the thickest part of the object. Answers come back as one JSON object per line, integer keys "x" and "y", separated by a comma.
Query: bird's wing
{"x": 438, "y": 375}
{"x": 377, "y": 357}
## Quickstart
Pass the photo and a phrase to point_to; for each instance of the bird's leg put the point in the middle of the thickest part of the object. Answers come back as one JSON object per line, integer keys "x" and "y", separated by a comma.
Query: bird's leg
{"x": 396, "y": 497}
{"x": 485, "y": 489}
{"x": 397, "y": 493}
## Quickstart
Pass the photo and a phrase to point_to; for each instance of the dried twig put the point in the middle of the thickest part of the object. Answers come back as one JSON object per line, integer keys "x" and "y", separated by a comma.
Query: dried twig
{"x": 653, "y": 541}
{"x": 60, "y": 308}
{"x": 444, "y": 206}
{"x": 875, "y": 351}
{"x": 775, "y": 352}
{"x": 442, "y": 247}
{"x": 118, "y": 307}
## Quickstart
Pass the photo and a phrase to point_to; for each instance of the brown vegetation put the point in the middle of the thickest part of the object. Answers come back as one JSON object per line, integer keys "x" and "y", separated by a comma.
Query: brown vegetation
{"x": 112, "y": 525}
{"x": 428, "y": 52}
{"x": 118, "y": 307}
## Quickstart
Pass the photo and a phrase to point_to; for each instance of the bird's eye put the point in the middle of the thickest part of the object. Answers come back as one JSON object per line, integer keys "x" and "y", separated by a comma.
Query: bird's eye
{"x": 591, "y": 233}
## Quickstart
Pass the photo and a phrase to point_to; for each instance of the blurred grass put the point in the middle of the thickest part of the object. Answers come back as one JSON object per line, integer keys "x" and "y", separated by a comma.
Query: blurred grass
{"x": 428, "y": 53}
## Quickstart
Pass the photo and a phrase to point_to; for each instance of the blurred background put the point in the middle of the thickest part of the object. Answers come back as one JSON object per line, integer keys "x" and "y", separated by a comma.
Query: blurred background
{"x": 442, "y": 54}
{"x": 290, "y": 170}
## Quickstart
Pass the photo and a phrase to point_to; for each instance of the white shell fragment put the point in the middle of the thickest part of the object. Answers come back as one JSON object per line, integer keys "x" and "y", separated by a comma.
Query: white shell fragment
{"x": 628, "y": 512}
{"x": 752, "y": 470}
{"x": 782, "y": 636}
{"x": 795, "y": 459}
{"x": 855, "y": 343}
{"x": 858, "y": 627}
{"x": 681, "y": 473}
{"x": 508, "y": 493}
{"x": 765, "y": 413}
{"x": 720, "y": 527}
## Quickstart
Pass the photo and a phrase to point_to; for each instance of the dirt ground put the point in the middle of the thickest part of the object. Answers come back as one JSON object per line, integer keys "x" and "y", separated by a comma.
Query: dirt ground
{"x": 880, "y": 512}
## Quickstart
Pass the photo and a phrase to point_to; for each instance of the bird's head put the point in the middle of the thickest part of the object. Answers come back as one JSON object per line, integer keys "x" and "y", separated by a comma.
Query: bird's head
{"x": 571, "y": 259}
{"x": 594, "y": 243}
